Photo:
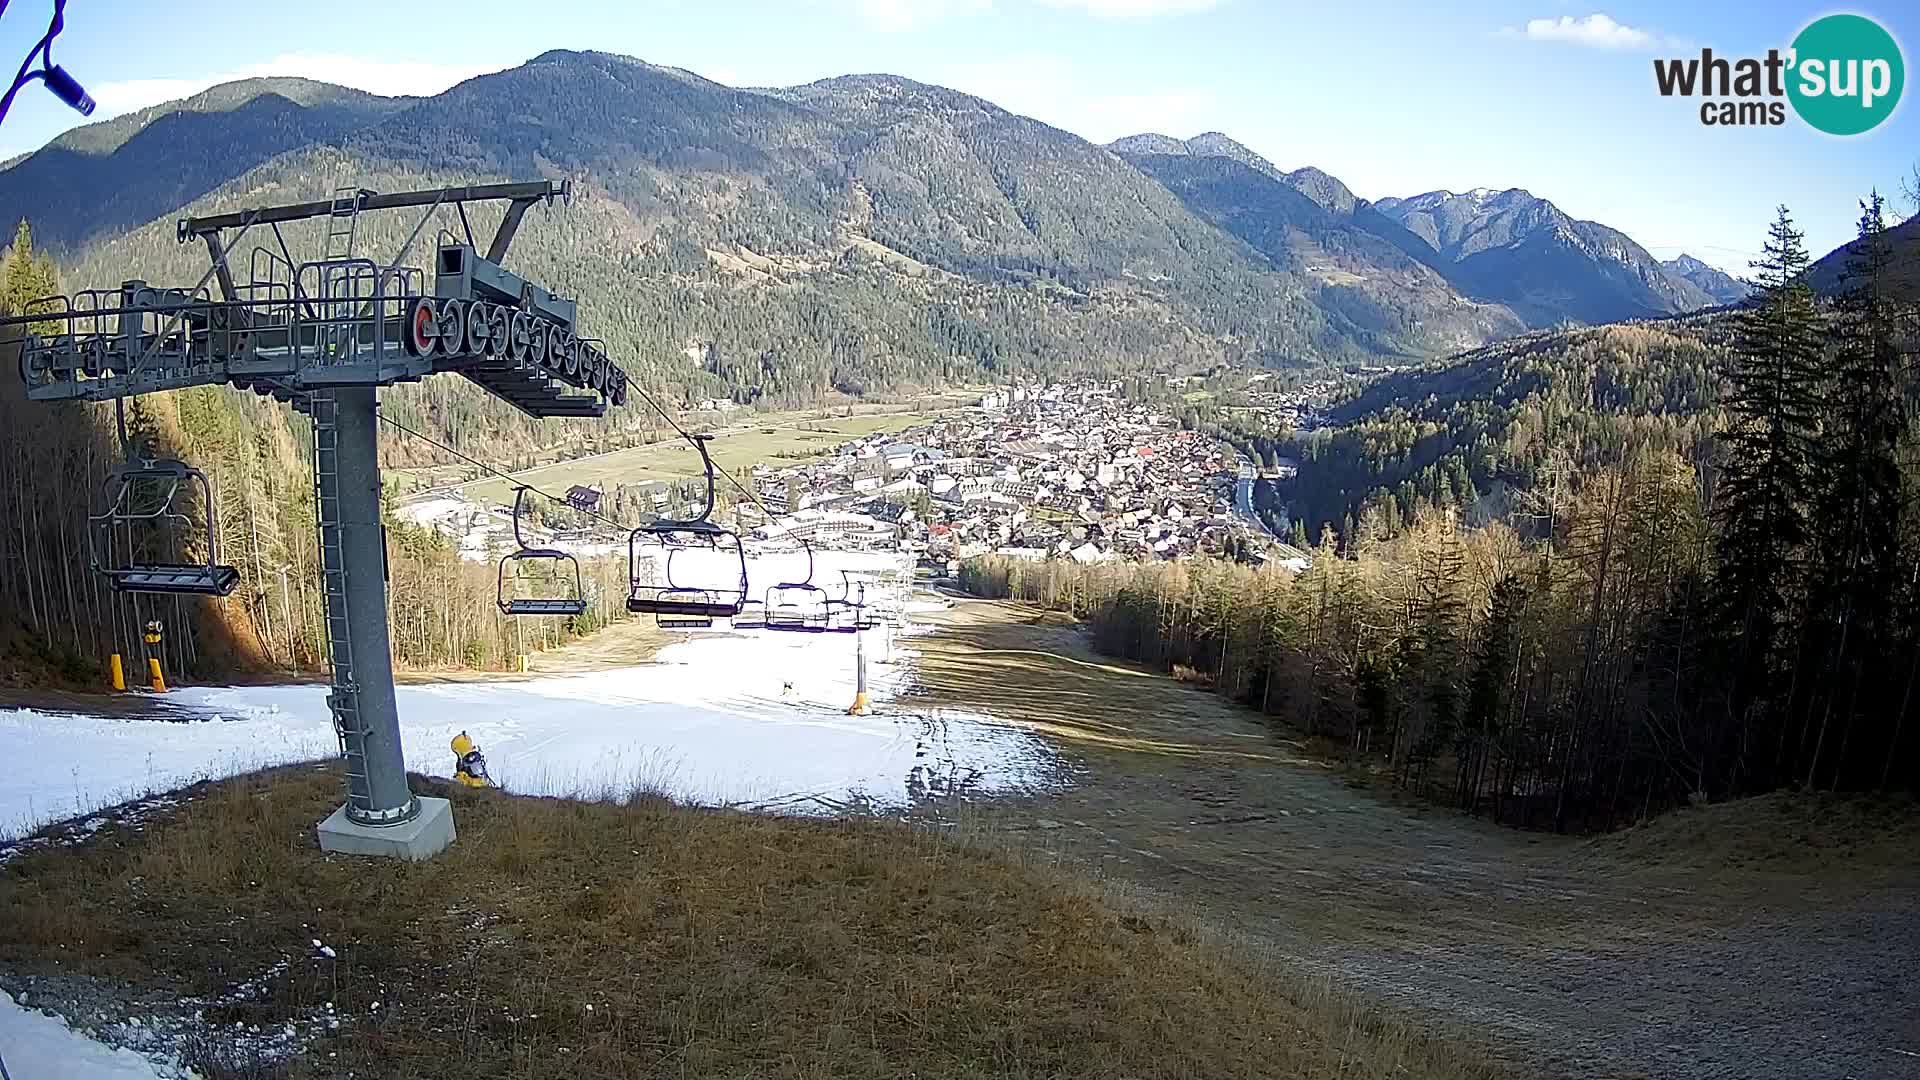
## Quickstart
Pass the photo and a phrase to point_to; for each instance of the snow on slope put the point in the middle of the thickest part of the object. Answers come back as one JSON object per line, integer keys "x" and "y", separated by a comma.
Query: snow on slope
{"x": 711, "y": 722}
{"x": 40, "y": 1046}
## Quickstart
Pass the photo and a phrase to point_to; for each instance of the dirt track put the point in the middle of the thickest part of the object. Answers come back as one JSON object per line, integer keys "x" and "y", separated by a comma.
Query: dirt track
{"x": 1582, "y": 960}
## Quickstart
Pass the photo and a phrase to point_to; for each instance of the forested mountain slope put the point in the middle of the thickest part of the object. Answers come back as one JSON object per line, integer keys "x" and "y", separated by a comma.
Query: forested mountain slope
{"x": 1515, "y": 417}
{"x": 1503, "y": 248}
{"x": 1344, "y": 211}
{"x": 855, "y": 233}
{"x": 1830, "y": 274}
{"x": 101, "y": 179}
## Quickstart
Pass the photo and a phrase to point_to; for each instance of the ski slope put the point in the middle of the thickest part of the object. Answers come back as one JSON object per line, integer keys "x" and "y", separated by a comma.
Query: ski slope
{"x": 711, "y": 721}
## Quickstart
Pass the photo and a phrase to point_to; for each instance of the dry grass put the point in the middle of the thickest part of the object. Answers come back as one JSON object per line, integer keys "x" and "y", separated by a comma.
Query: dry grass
{"x": 1032, "y": 667}
{"x": 777, "y": 442}
{"x": 597, "y": 940}
{"x": 1783, "y": 831}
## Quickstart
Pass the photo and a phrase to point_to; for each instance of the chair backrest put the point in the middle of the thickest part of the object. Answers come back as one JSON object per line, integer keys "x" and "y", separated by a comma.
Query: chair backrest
{"x": 121, "y": 511}
{"x": 506, "y": 595}
{"x": 715, "y": 599}
{"x": 510, "y": 603}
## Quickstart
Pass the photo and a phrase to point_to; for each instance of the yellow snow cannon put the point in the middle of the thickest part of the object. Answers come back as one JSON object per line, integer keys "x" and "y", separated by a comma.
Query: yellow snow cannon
{"x": 469, "y": 767}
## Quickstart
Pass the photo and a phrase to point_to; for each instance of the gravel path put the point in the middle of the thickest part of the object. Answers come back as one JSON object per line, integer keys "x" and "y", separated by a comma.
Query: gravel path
{"x": 1826, "y": 996}
{"x": 1579, "y": 962}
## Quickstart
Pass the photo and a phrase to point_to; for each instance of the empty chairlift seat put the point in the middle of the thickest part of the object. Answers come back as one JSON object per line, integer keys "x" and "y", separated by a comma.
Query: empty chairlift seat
{"x": 541, "y": 571}
{"x": 849, "y": 613}
{"x": 513, "y": 577}
{"x": 687, "y": 602}
{"x": 684, "y": 601}
{"x": 798, "y": 606}
{"x": 142, "y": 513}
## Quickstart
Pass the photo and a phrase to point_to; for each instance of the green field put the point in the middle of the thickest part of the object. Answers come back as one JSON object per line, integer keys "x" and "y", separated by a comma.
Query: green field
{"x": 779, "y": 443}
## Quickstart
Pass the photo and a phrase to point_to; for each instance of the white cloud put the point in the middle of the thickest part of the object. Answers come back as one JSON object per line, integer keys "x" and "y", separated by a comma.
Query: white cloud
{"x": 390, "y": 78}
{"x": 1596, "y": 31}
{"x": 1134, "y": 9}
{"x": 1052, "y": 90}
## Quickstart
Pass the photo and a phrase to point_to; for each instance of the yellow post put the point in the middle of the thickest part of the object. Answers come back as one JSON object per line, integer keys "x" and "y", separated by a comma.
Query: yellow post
{"x": 154, "y": 677}
{"x": 523, "y": 663}
{"x": 119, "y": 674}
{"x": 859, "y": 706}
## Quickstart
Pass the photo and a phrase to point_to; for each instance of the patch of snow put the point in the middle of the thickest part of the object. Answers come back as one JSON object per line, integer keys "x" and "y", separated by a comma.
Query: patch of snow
{"x": 40, "y": 1046}
{"x": 63, "y": 765}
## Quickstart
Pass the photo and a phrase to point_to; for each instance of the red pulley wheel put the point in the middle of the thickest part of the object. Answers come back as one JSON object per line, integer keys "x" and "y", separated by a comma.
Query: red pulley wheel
{"x": 423, "y": 328}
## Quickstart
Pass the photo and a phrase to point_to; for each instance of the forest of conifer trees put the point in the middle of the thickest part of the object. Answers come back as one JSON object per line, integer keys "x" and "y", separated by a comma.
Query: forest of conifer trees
{"x": 1664, "y": 612}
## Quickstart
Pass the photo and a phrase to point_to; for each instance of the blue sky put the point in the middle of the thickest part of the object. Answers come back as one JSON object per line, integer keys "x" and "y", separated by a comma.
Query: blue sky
{"x": 1394, "y": 97}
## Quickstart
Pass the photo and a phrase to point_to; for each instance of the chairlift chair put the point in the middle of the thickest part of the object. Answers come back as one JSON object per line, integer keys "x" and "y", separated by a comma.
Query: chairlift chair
{"x": 145, "y": 492}
{"x": 516, "y": 561}
{"x": 674, "y": 604}
{"x": 846, "y": 615}
{"x": 798, "y": 606}
{"x": 753, "y": 616}
{"x": 803, "y": 607}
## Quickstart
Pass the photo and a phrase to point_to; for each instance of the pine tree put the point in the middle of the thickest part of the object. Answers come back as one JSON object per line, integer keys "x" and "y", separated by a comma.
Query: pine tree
{"x": 1769, "y": 445}
{"x": 1856, "y": 520}
{"x": 26, "y": 276}
{"x": 1487, "y": 688}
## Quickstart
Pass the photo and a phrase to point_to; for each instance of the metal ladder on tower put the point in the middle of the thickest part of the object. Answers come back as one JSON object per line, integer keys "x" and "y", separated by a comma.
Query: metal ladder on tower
{"x": 342, "y": 221}
{"x": 344, "y": 698}
{"x": 337, "y": 336}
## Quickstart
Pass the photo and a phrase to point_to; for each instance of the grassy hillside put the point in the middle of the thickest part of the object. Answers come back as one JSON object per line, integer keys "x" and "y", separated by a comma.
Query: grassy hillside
{"x": 600, "y": 940}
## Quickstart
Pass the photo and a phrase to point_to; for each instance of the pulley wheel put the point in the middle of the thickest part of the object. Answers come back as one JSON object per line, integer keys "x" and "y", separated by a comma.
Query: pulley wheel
{"x": 499, "y": 318}
{"x": 535, "y": 351}
{"x": 518, "y": 331}
{"x": 479, "y": 329}
{"x": 423, "y": 328}
{"x": 453, "y": 327}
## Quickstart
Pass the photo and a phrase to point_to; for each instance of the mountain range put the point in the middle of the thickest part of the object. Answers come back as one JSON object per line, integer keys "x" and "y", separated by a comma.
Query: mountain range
{"x": 1509, "y": 248}
{"x": 1723, "y": 287}
{"x": 864, "y": 232}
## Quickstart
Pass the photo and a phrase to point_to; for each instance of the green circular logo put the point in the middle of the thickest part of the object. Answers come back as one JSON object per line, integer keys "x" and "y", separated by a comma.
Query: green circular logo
{"x": 1846, "y": 74}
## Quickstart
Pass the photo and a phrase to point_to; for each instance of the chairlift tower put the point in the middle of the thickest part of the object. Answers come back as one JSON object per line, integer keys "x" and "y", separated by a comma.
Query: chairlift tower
{"x": 324, "y": 335}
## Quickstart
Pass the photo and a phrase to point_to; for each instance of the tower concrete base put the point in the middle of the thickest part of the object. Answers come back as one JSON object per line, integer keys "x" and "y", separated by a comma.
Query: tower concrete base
{"x": 426, "y": 835}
